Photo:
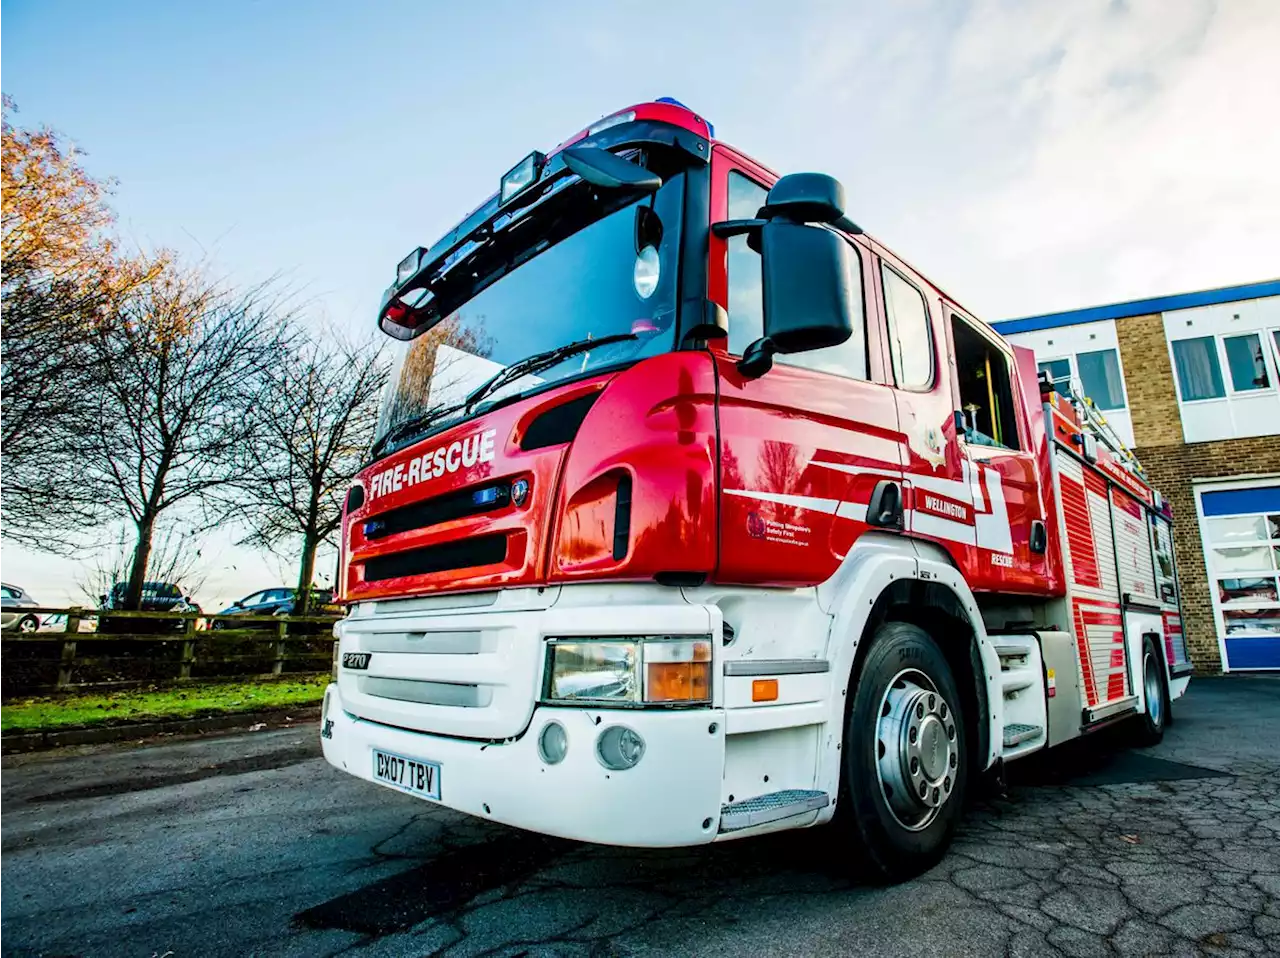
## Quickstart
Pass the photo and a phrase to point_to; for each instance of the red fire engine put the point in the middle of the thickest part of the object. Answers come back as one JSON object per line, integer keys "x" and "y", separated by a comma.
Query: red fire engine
{"x": 696, "y": 513}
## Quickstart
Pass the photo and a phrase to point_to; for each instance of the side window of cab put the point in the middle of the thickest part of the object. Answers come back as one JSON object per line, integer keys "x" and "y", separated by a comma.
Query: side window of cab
{"x": 746, "y": 296}
{"x": 910, "y": 342}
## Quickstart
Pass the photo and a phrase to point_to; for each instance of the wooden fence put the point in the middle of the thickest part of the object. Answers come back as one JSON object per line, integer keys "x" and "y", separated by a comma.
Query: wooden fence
{"x": 137, "y": 648}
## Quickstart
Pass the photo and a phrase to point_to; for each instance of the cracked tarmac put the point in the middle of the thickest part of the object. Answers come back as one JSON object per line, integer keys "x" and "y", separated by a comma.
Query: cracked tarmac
{"x": 250, "y": 844}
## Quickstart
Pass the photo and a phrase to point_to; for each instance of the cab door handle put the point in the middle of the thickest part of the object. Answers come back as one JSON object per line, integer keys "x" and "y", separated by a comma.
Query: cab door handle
{"x": 884, "y": 509}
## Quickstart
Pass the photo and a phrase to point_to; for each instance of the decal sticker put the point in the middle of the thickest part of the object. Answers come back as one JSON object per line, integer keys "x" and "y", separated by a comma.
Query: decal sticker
{"x": 944, "y": 506}
{"x": 786, "y": 533}
{"x": 459, "y": 454}
{"x": 930, "y": 447}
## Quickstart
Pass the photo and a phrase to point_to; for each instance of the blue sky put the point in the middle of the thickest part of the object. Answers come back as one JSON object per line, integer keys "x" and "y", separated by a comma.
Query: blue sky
{"x": 1029, "y": 157}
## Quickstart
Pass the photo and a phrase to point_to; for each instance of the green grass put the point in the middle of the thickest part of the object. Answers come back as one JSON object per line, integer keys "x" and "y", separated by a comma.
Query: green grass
{"x": 150, "y": 704}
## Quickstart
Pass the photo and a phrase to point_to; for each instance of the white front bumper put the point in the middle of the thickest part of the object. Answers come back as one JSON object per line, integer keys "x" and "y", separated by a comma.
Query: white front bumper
{"x": 671, "y": 798}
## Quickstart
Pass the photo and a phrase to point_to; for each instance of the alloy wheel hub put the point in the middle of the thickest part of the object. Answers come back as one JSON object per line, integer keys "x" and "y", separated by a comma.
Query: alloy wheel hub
{"x": 918, "y": 753}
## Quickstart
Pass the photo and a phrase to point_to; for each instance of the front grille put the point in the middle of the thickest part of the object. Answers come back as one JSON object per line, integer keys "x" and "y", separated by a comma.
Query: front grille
{"x": 453, "y": 694}
{"x": 462, "y": 554}
{"x": 446, "y": 508}
{"x": 459, "y": 642}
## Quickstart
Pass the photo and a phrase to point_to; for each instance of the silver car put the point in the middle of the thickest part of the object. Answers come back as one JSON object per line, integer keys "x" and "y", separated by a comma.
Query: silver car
{"x": 13, "y": 616}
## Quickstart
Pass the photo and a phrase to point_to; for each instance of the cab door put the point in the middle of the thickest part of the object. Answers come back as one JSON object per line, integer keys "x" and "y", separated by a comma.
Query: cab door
{"x": 803, "y": 447}
{"x": 996, "y": 442}
{"x": 939, "y": 482}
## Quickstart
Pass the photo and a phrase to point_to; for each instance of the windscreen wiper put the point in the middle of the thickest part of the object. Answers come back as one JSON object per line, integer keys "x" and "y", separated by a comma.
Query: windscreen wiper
{"x": 539, "y": 361}
{"x": 416, "y": 424}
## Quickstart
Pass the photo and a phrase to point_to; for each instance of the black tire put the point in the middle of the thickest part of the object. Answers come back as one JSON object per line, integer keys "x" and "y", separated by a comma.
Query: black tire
{"x": 904, "y": 681}
{"x": 28, "y": 624}
{"x": 1149, "y": 727}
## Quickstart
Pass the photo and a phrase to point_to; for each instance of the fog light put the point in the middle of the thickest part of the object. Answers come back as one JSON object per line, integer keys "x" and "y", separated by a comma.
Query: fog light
{"x": 520, "y": 491}
{"x": 619, "y": 748}
{"x": 553, "y": 743}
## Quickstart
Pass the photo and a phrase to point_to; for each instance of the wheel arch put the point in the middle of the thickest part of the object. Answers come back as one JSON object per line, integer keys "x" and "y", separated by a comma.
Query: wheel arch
{"x": 897, "y": 580}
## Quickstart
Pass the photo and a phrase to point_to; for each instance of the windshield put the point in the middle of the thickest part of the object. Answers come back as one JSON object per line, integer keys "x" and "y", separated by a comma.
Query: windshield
{"x": 613, "y": 276}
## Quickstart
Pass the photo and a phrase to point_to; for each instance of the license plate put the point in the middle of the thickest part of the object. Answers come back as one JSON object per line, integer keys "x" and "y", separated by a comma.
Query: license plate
{"x": 407, "y": 774}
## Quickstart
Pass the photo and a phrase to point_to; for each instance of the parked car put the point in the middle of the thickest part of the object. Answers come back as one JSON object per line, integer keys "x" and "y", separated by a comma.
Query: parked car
{"x": 277, "y": 601}
{"x": 156, "y": 597}
{"x": 12, "y": 615}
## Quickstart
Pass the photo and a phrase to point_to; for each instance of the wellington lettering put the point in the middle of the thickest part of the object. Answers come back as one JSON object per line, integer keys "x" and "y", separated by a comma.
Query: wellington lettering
{"x": 944, "y": 507}
{"x": 460, "y": 454}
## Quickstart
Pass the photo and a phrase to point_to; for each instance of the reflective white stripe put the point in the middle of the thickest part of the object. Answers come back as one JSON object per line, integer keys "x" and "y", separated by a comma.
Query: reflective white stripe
{"x": 928, "y": 524}
{"x": 829, "y": 506}
{"x": 974, "y": 478}
{"x": 856, "y": 511}
{"x": 993, "y": 527}
{"x": 859, "y": 470}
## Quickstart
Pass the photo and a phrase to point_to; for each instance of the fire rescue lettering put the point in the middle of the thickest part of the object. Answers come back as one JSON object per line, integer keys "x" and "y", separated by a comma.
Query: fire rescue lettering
{"x": 460, "y": 454}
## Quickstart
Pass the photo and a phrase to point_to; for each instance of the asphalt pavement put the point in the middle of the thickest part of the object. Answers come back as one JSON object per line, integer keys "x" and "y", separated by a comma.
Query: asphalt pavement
{"x": 251, "y": 845}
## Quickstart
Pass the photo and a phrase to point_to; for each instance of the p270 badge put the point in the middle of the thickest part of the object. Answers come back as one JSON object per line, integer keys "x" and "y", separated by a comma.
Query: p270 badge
{"x": 356, "y": 660}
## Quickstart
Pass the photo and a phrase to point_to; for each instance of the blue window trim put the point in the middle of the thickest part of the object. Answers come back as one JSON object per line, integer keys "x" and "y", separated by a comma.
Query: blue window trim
{"x": 1235, "y": 502}
{"x": 1139, "y": 307}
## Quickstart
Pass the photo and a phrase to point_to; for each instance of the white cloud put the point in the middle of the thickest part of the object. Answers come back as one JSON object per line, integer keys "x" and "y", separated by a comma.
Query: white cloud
{"x": 1151, "y": 157}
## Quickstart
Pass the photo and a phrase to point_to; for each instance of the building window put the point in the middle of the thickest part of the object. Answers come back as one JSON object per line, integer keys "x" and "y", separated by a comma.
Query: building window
{"x": 910, "y": 344}
{"x": 746, "y": 296}
{"x": 1100, "y": 378}
{"x": 1098, "y": 375}
{"x": 1199, "y": 375}
{"x": 1245, "y": 361}
{"x": 1059, "y": 373}
{"x": 1241, "y": 531}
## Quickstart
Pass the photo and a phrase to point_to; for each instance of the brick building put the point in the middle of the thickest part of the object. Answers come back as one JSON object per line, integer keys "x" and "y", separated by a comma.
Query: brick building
{"x": 1192, "y": 383}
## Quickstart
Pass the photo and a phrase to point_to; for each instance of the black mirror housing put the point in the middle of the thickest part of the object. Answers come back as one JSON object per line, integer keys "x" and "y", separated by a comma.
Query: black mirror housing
{"x": 805, "y": 198}
{"x": 808, "y": 291}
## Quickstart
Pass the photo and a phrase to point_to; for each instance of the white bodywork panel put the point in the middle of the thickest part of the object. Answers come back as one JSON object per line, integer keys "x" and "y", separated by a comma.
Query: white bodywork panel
{"x": 696, "y": 760}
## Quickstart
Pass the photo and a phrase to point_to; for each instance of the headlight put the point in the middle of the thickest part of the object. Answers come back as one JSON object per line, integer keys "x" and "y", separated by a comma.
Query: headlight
{"x": 631, "y": 671}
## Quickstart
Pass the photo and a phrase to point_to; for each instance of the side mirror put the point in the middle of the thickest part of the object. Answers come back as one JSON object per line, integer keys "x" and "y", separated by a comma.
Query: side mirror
{"x": 805, "y": 198}
{"x": 807, "y": 270}
{"x": 808, "y": 293}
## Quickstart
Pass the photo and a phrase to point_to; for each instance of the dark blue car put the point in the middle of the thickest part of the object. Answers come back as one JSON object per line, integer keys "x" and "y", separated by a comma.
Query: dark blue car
{"x": 278, "y": 601}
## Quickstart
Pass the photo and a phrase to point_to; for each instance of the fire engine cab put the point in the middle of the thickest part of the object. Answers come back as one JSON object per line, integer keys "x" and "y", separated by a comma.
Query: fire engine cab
{"x": 696, "y": 513}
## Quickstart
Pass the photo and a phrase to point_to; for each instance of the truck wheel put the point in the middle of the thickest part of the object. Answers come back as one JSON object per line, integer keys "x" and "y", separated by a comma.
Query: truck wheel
{"x": 905, "y": 766}
{"x": 1155, "y": 688}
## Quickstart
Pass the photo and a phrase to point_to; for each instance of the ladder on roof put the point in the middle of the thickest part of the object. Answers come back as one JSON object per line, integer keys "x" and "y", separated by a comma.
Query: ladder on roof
{"x": 1091, "y": 417}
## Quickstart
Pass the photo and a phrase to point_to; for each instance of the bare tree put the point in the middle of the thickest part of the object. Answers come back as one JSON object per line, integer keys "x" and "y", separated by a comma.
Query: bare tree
{"x": 316, "y": 420}
{"x": 175, "y": 558}
{"x": 180, "y": 377}
{"x": 64, "y": 277}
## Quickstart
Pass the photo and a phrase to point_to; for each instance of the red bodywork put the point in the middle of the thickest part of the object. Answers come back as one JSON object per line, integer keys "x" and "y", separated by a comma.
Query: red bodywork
{"x": 734, "y": 480}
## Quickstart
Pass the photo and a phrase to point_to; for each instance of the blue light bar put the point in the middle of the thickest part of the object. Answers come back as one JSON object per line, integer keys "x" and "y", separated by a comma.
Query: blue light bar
{"x": 711, "y": 130}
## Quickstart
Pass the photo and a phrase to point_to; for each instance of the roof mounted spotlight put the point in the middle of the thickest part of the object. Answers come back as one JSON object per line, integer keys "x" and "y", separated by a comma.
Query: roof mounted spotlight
{"x": 408, "y": 266}
{"x": 521, "y": 176}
